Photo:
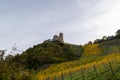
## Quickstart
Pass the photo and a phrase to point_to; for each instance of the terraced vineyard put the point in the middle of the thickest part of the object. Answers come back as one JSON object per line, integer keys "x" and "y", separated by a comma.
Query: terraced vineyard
{"x": 112, "y": 46}
{"x": 103, "y": 67}
{"x": 104, "y": 72}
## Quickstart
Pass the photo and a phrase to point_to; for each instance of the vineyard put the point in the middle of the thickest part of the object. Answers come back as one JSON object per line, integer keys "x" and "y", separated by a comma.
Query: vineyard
{"x": 84, "y": 69}
{"x": 105, "y": 71}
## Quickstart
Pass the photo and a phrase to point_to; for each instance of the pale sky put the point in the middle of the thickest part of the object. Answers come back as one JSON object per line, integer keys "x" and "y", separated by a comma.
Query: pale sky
{"x": 30, "y": 22}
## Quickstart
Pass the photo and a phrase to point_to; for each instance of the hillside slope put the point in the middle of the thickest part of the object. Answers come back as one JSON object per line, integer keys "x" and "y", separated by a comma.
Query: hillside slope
{"x": 100, "y": 55}
{"x": 49, "y": 53}
{"x": 103, "y": 48}
{"x": 75, "y": 67}
{"x": 110, "y": 46}
{"x": 25, "y": 66}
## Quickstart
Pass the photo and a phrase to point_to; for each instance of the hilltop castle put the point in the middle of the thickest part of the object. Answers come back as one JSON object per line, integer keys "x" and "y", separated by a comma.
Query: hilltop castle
{"x": 58, "y": 38}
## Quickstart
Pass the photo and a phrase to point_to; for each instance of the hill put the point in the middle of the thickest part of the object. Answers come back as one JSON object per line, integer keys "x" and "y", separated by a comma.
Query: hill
{"x": 24, "y": 66}
{"x": 48, "y": 53}
{"x": 100, "y": 61}
{"x": 55, "y": 60}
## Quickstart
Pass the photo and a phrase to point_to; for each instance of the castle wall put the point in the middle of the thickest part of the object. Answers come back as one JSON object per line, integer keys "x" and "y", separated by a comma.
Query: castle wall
{"x": 58, "y": 38}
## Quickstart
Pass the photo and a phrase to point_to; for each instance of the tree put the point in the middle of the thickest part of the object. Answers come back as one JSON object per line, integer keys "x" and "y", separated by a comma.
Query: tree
{"x": 90, "y": 42}
{"x": 2, "y": 53}
{"x": 9, "y": 57}
{"x": 104, "y": 38}
{"x": 118, "y": 33}
{"x": 14, "y": 49}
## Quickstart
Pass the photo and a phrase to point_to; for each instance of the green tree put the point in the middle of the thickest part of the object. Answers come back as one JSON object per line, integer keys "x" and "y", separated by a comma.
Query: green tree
{"x": 118, "y": 33}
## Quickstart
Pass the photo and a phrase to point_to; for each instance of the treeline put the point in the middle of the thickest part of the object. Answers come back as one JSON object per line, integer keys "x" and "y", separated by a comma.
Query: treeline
{"x": 105, "y": 38}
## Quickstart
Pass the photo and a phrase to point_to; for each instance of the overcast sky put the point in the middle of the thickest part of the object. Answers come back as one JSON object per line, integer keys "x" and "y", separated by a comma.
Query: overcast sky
{"x": 30, "y": 22}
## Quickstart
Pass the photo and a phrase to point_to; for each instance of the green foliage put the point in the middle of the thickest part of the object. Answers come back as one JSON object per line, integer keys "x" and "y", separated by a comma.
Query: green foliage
{"x": 48, "y": 53}
{"x": 13, "y": 71}
{"x": 92, "y": 49}
{"x": 118, "y": 33}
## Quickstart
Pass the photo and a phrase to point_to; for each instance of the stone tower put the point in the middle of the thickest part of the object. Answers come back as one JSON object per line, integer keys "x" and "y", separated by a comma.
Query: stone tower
{"x": 61, "y": 37}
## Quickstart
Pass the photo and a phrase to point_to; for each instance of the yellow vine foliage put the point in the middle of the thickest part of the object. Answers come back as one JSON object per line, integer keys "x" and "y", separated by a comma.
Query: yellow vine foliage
{"x": 92, "y": 49}
{"x": 65, "y": 68}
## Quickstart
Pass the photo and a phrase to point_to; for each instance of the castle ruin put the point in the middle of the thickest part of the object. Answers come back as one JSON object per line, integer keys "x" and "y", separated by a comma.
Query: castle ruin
{"x": 58, "y": 38}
